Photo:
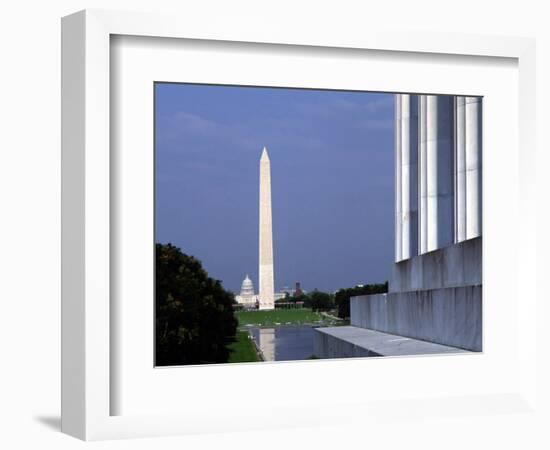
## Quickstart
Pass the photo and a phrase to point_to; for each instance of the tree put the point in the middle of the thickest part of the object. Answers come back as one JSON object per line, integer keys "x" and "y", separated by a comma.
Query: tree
{"x": 318, "y": 301}
{"x": 194, "y": 322}
{"x": 298, "y": 298}
{"x": 342, "y": 297}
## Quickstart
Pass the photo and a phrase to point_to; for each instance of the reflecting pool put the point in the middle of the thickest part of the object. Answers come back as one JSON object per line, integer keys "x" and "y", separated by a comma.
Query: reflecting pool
{"x": 285, "y": 343}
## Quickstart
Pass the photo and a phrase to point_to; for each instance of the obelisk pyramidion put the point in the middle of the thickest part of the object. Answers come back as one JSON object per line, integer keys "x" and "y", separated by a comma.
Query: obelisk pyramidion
{"x": 266, "y": 296}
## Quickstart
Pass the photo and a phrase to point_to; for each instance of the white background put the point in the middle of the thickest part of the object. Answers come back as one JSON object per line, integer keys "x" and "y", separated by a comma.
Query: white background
{"x": 30, "y": 187}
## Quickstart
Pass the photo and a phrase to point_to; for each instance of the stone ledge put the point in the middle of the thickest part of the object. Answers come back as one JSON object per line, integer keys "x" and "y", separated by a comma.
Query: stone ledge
{"x": 448, "y": 316}
{"x": 453, "y": 266}
{"x": 349, "y": 341}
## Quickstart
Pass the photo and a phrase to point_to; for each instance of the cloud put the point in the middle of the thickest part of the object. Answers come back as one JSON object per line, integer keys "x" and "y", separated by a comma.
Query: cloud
{"x": 310, "y": 126}
{"x": 193, "y": 132}
{"x": 194, "y": 123}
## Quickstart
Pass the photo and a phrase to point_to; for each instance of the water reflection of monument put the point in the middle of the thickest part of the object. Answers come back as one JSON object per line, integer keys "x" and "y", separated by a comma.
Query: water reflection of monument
{"x": 284, "y": 343}
{"x": 266, "y": 338}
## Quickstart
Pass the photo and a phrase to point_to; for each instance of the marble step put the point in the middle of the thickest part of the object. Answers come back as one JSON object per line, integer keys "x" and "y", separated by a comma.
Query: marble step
{"x": 350, "y": 341}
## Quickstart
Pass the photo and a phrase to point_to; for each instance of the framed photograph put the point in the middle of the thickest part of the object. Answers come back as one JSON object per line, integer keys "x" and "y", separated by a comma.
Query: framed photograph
{"x": 410, "y": 159}
{"x": 259, "y": 215}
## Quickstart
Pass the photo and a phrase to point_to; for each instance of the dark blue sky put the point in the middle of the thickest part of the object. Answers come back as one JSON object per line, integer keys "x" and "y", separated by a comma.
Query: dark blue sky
{"x": 332, "y": 181}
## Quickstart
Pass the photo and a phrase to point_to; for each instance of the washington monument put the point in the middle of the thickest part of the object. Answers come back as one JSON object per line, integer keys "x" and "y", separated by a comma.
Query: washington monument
{"x": 266, "y": 297}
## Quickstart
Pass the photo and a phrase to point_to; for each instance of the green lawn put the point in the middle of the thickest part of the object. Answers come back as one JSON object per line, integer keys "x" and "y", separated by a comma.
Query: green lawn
{"x": 243, "y": 349}
{"x": 281, "y": 317}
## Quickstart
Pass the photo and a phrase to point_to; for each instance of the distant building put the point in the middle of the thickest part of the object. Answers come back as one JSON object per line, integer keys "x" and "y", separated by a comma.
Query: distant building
{"x": 287, "y": 291}
{"x": 292, "y": 292}
{"x": 247, "y": 297}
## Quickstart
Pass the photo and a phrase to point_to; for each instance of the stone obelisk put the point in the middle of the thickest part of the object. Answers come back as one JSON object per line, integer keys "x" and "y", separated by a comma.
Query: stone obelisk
{"x": 267, "y": 286}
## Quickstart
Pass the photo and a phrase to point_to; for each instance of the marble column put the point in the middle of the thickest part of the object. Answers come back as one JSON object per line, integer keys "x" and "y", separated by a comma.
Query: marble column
{"x": 460, "y": 174}
{"x": 406, "y": 176}
{"x": 422, "y": 177}
{"x": 437, "y": 172}
{"x": 397, "y": 166}
{"x": 468, "y": 168}
{"x": 473, "y": 106}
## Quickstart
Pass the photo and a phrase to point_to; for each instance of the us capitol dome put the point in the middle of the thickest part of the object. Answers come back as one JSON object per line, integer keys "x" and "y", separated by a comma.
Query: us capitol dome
{"x": 247, "y": 287}
{"x": 247, "y": 296}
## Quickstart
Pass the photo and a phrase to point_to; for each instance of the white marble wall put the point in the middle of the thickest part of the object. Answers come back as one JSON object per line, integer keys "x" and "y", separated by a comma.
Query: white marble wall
{"x": 448, "y": 316}
{"x": 452, "y": 266}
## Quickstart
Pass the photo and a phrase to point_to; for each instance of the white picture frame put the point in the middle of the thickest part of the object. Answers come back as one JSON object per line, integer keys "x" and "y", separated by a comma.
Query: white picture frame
{"x": 87, "y": 328}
